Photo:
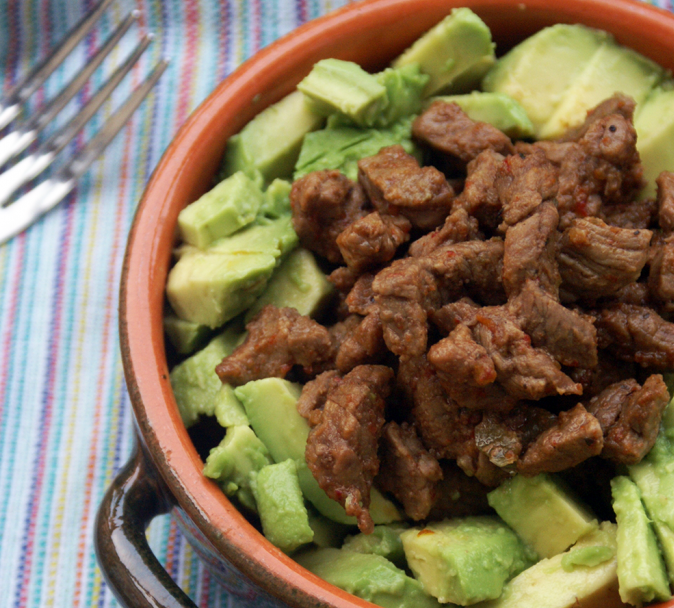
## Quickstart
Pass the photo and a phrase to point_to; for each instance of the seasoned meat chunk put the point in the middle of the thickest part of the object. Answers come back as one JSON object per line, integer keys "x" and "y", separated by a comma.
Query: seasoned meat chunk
{"x": 607, "y": 371}
{"x": 396, "y": 184}
{"x": 665, "y": 201}
{"x": 445, "y": 127}
{"x": 278, "y": 339}
{"x": 361, "y": 297}
{"x": 634, "y": 215}
{"x": 661, "y": 272}
{"x": 638, "y": 334}
{"x": 576, "y": 437}
{"x": 618, "y": 104}
{"x": 629, "y": 416}
{"x": 565, "y": 334}
{"x": 408, "y": 470}
{"x": 458, "y": 227}
{"x": 314, "y": 393}
{"x": 323, "y": 204}
{"x": 530, "y": 252}
{"x": 372, "y": 240}
{"x": 501, "y": 445}
{"x": 342, "y": 448}
{"x": 362, "y": 344}
{"x": 343, "y": 278}
{"x": 462, "y": 311}
{"x": 598, "y": 260}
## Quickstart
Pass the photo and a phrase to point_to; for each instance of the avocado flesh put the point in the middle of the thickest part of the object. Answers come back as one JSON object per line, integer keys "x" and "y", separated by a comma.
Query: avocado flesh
{"x": 641, "y": 571}
{"x": 465, "y": 560}
{"x": 185, "y": 336}
{"x": 455, "y": 53}
{"x": 231, "y": 205}
{"x": 404, "y": 91}
{"x": 327, "y": 533}
{"x": 271, "y": 407}
{"x": 539, "y": 70}
{"x": 612, "y": 69}
{"x": 194, "y": 381}
{"x": 234, "y": 460}
{"x": 276, "y": 202}
{"x": 297, "y": 283}
{"x": 284, "y": 517}
{"x": 228, "y": 410}
{"x": 497, "y": 109}
{"x": 547, "y": 584}
{"x": 384, "y": 541}
{"x": 542, "y": 512}
{"x": 370, "y": 577}
{"x": 271, "y": 141}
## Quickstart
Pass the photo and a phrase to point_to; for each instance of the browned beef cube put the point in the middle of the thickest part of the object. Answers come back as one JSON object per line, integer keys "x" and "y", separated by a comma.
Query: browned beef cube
{"x": 361, "y": 297}
{"x": 665, "y": 201}
{"x": 341, "y": 449}
{"x": 501, "y": 445}
{"x": 278, "y": 339}
{"x": 618, "y": 104}
{"x": 634, "y": 215}
{"x": 458, "y": 227}
{"x": 576, "y": 437}
{"x": 408, "y": 470}
{"x": 597, "y": 260}
{"x": 661, "y": 273}
{"x": 363, "y": 344}
{"x": 314, "y": 393}
{"x": 608, "y": 370}
{"x": 396, "y": 184}
{"x": 324, "y": 203}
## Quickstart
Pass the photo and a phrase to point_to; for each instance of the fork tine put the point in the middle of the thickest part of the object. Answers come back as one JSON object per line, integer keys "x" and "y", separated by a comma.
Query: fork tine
{"x": 22, "y": 213}
{"x": 10, "y": 105}
{"x": 18, "y": 140}
{"x": 31, "y": 166}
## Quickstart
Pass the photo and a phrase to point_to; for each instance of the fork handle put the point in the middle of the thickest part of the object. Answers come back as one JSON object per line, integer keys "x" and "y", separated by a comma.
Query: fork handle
{"x": 133, "y": 572}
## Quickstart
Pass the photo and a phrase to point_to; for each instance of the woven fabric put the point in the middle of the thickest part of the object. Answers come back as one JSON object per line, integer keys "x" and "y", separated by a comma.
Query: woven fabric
{"x": 65, "y": 417}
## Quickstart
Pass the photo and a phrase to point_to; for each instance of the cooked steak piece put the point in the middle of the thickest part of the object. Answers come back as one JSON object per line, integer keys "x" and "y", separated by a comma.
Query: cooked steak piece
{"x": 341, "y": 449}
{"x": 530, "y": 252}
{"x": 362, "y": 345}
{"x": 343, "y": 278}
{"x": 638, "y": 334}
{"x": 408, "y": 470}
{"x": 445, "y": 127}
{"x": 607, "y": 371}
{"x": 661, "y": 272}
{"x": 458, "y": 227}
{"x": 576, "y": 437}
{"x": 635, "y": 293}
{"x": 372, "y": 240}
{"x": 665, "y": 201}
{"x": 634, "y": 214}
{"x": 461, "y": 311}
{"x": 323, "y": 204}
{"x": 629, "y": 416}
{"x": 567, "y": 335}
{"x": 314, "y": 393}
{"x": 361, "y": 297}
{"x": 523, "y": 182}
{"x": 278, "y": 339}
{"x": 618, "y": 104}
{"x": 597, "y": 260}
{"x": 494, "y": 439}
{"x": 396, "y": 184}
{"x": 458, "y": 495}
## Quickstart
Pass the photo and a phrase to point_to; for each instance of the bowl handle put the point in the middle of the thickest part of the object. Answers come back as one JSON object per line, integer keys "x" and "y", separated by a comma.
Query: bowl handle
{"x": 134, "y": 574}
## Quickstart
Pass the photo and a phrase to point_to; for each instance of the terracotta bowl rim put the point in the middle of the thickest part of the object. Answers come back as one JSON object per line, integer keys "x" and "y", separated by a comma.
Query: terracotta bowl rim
{"x": 147, "y": 258}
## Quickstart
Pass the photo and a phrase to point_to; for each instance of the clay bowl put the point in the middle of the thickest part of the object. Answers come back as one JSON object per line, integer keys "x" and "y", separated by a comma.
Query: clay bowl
{"x": 164, "y": 474}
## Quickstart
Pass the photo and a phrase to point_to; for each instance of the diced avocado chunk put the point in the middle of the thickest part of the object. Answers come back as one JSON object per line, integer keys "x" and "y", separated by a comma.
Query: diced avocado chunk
{"x": 276, "y": 202}
{"x": 341, "y": 147}
{"x": 465, "y": 560}
{"x": 297, "y": 283}
{"x": 232, "y": 463}
{"x": 404, "y": 91}
{"x": 228, "y": 410}
{"x": 370, "y": 577}
{"x": 284, "y": 517}
{"x": 327, "y": 533}
{"x": 271, "y": 407}
{"x": 334, "y": 85}
{"x": 231, "y": 205}
{"x": 212, "y": 288}
{"x": 194, "y": 381}
{"x": 271, "y": 141}
{"x": 586, "y": 557}
{"x": 497, "y": 109}
{"x": 539, "y": 70}
{"x": 545, "y": 515}
{"x": 641, "y": 571}
{"x": 185, "y": 336}
{"x": 655, "y": 136}
{"x": 455, "y": 53}
{"x": 384, "y": 541}
{"x": 612, "y": 69}
{"x": 273, "y": 236}
{"x": 547, "y": 584}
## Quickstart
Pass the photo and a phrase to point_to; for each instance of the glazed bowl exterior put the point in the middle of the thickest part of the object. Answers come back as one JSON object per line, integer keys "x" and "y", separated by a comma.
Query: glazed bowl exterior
{"x": 370, "y": 32}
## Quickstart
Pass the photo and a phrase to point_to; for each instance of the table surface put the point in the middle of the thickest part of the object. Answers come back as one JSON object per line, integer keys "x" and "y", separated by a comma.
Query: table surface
{"x": 65, "y": 417}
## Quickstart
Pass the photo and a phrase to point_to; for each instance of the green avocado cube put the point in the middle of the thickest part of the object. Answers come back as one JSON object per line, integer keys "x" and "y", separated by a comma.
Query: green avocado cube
{"x": 404, "y": 92}
{"x": 641, "y": 571}
{"x": 276, "y": 202}
{"x": 368, "y": 576}
{"x": 544, "y": 514}
{"x": 272, "y": 236}
{"x": 185, "y": 336}
{"x": 455, "y": 53}
{"x": 334, "y": 85}
{"x": 270, "y": 142}
{"x": 384, "y": 541}
{"x": 228, "y": 410}
{"x": 231, "y": 205}
{"x": 233, "y": 462}
{"x": 327, "y": 533}
{"x": 465, "y": 560}
{"x": 284, "y": 517}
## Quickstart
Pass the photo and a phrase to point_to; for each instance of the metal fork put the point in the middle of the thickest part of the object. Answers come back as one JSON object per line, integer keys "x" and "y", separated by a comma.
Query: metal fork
{"x": 17, "y": 215}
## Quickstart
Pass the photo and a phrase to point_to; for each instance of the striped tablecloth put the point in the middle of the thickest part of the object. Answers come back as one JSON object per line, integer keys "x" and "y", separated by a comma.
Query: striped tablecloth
{"x": 65, "y": 417}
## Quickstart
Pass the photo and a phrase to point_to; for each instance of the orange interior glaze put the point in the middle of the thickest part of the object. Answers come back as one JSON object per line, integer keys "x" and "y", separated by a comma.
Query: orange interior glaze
{"x": 370, "y": 32}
